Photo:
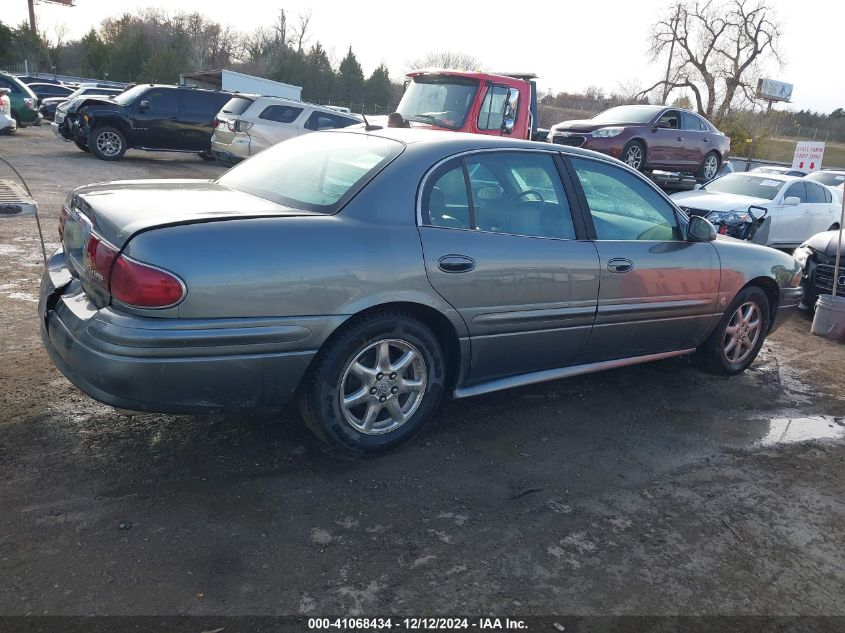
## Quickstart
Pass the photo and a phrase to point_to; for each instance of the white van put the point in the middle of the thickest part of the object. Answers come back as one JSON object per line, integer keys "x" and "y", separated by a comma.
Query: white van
{"x": 248, "y": 124}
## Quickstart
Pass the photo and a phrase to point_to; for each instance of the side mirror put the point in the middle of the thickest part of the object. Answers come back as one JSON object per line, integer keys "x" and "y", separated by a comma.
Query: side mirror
{"x": 507, "y": 125}
{"x": 700, "y": 230}
{"x": 144, "y": 105}
{"x": 791, "y": 201}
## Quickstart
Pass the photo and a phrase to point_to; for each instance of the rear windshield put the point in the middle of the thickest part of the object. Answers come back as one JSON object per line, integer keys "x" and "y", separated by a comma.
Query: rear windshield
{"x": 827, "y": 178}
{"x": 746, "y": 185}
{"x": 236, "y": 105}
{"x": 316, "y": 172}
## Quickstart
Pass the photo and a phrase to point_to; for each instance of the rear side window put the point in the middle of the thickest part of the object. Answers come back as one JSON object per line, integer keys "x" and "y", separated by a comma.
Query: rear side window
{"x": 314, "y": 172}
{"x": 202, "y": 103}
{"x": 690, "y": 122}
{"x": 280, "y": 113}
{"x": 325, "y": 121}
{"x": 624, "y": 207}
{"x": 446, "y": 202}
{"x": 236, "y": 105}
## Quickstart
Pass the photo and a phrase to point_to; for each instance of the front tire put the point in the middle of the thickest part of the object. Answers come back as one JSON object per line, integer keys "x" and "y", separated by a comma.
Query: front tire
{"x": 107, "y": 143}
{"x": 375, "y": 385}
{"x": 709, "y": 166}
{"x": 633, "y": 155}
{"x": 738, "y": 337}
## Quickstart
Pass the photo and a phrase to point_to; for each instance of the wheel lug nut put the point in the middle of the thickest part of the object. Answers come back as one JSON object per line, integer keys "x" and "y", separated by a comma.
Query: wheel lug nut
{"x": 379, "y": 376}
{"x": 394, "y": 390}
{"x": 393, "y": 376}
{"x": 383, "y": 399}
{"x": 373, "y": 391}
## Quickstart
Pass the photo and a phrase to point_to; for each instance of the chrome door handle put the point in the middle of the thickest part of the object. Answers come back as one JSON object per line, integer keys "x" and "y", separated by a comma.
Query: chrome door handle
{"x": 706, "y": 140}
{"x": 456, "y": 264}
{"x": 680, "y": 138}
{"x": 620, "y": 265}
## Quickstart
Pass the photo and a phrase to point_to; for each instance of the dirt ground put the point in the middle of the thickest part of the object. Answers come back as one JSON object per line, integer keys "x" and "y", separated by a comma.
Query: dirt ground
{"x": 650, "y": 490}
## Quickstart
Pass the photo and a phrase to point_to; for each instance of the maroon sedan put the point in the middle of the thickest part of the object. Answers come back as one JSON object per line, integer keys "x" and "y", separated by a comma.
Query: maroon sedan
{"x": 650, "y": 137}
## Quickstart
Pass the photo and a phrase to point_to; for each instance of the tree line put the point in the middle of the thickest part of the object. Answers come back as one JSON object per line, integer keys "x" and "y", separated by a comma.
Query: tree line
{"x": 156, "y": 46}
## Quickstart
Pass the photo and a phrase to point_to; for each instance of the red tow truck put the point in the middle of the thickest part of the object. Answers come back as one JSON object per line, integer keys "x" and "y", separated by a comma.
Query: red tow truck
{"x": 474, "y": 102}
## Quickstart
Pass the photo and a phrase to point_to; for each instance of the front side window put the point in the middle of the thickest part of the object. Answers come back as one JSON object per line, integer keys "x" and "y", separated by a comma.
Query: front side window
{"x": 797, "y": 190}
{"x": 280, "y": 113}
{"x": 162, "y": 100}
{"x": 669, "y": 120}
{"x": 622, "y": 206}
{"x": 314, "y": 172}
{"x": 493, "y": 108}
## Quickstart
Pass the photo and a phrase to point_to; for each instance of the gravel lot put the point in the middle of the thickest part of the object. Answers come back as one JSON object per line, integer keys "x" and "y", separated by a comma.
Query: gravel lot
{"x": 650, "y": 490}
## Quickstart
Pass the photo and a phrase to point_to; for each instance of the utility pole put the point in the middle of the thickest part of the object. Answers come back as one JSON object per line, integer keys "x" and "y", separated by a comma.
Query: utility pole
{"x": 32, "y": 17}
{"x": 675, "y": 21}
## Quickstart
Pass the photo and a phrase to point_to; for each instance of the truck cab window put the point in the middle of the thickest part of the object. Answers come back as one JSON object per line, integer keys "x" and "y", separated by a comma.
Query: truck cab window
{"x": 492, "y": 113}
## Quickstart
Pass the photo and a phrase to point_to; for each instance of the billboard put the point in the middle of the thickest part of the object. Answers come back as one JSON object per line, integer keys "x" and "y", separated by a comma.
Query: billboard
{"x": 772, "y": 90}
{"x": 808, "y": 156}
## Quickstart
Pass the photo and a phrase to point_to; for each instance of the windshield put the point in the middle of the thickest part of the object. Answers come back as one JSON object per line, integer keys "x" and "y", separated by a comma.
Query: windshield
{"x": 128, "y": 97}
{"x": 627, "y": 114}
{"x": 827, "y": 178}
{"x": 438, "y": 100}
{"x": 746, "y": 185}
{"x": 316, "y": 172}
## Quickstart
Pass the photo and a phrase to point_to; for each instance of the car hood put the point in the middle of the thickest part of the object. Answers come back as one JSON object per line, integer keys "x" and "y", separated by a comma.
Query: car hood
{"x": 588, "y": 125}
{"x": 826, "y": 243}
{"x": 53, "y": 100}
{"x": 713, "y": 201}
{"x": 119, "y": 210}
{"x": 77, "y": 102}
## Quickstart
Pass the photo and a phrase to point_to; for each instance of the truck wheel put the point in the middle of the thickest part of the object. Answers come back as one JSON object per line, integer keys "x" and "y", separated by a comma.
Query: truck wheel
{"x": 738, "y": 337}
{"x": 709, "y": 166}
{"x": 633, "y": 154}
{"x": 208, "y": 156}
{"x": 82, "y": 146}
{"x": 375, "y": 385}
{"x": 107, "y": 143}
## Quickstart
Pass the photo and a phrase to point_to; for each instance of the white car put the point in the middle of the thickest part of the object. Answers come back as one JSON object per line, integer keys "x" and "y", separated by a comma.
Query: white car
{"x": 797, "y": 207}
{"x": 7, "y": 123}
{"x": 833, "y": 178}
{"x": 248, "y": 124}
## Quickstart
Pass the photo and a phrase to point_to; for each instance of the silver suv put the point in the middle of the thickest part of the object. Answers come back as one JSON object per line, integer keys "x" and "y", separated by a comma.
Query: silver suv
{"x": 248, "y": 124}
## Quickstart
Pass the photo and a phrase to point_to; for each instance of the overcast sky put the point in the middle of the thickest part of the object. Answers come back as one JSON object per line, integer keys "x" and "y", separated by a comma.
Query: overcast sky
{"x": 570, "y": 45}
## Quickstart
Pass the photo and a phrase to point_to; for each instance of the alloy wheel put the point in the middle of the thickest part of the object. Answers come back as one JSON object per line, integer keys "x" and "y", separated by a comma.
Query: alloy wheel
{"x": 383, "y": 386}
{"x": 711, "y": 164}
{"x": 634, "y": 156}
{"x": 109, "y": 143}
{"x": 742, "y": 332}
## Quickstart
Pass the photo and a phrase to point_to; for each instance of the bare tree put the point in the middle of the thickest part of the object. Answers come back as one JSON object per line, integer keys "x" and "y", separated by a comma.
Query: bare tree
{"x": 446, "y": 59}
{"x": 717, "y": 48}
{"x": 300, "y": 31}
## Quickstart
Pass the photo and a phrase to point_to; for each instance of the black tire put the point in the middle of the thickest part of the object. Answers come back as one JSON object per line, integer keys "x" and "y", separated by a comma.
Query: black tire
{"x": 634, "y": 155}
{"x": 712, "y": 356}
{"x": 82, "y": 146}
{"x": 107, "y": 143}
{"x": 331, "y": 375}
{"x": 207, "y": 156}
{"x": 709, "y": 166}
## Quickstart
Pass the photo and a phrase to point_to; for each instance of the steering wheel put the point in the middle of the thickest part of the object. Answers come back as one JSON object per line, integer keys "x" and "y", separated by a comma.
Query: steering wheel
{"x": 524, "y": 193}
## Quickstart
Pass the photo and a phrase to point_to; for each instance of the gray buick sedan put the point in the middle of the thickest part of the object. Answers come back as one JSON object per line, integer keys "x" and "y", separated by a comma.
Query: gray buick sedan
{"x": 368, "y": 274}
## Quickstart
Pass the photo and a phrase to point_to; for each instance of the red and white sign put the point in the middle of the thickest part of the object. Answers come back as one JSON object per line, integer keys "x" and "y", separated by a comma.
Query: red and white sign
{"x": 808, "y": 156}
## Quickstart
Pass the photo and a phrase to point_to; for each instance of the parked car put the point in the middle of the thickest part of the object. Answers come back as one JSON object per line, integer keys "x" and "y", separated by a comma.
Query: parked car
{"x": 817, "y": 257}
{"x": 148, "y": 117}
{"x": 7, "y": 124}
{"x": 31, "y": 79}
{"x": 650, "y": 137}
{"x": 832, "y": 178}
{"x": 49, "y": 104}
{"x": 248, "y": 124}
{"x": 796, "y": 207}
{"x": 779, "y": 169}
{"x": 43, "y": 90}
{"x": 23, "y": 101}
{"x": 354, "y": 270}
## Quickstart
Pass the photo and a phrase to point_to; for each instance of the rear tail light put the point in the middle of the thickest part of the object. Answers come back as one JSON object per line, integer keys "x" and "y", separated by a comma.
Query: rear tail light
{"x": 144, "y": 286}
{"x": 242, "y": 126}
{"x": 62, "y": 221}
{"x": 131, "y": 282}
{"x": 216, "y": 122}
{"x": 231, "y": 125}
